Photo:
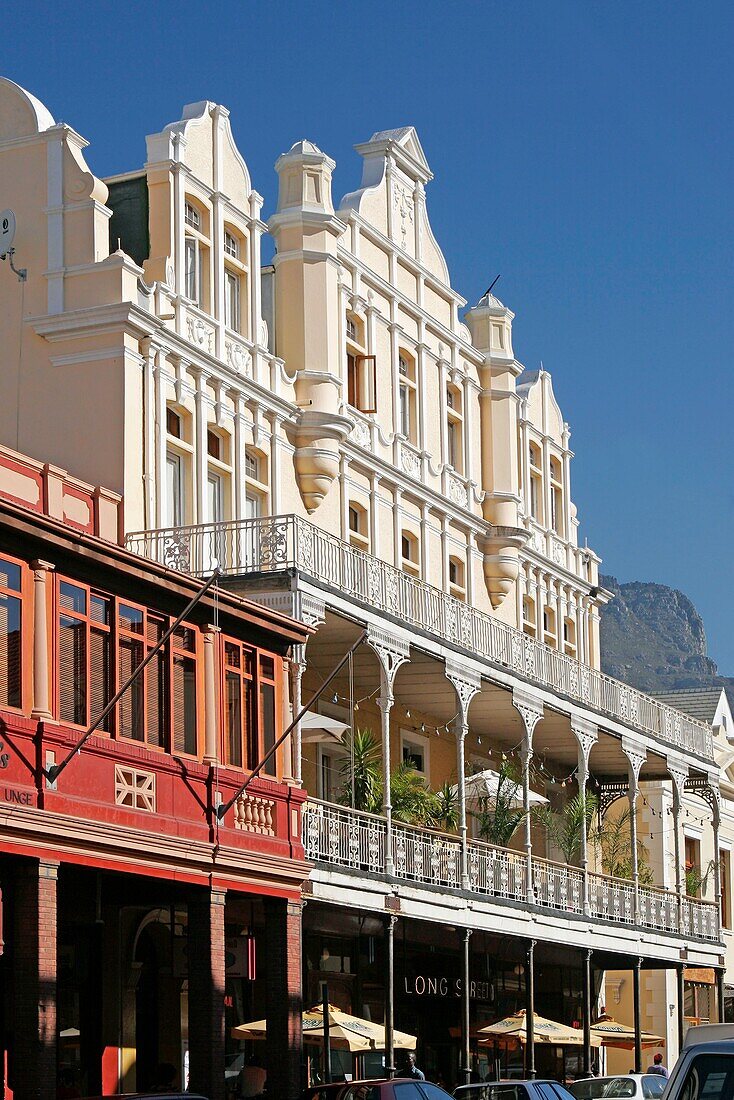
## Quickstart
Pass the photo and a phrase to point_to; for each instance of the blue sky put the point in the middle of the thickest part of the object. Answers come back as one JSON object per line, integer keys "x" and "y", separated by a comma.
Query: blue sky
{"x": 583, "y": 150}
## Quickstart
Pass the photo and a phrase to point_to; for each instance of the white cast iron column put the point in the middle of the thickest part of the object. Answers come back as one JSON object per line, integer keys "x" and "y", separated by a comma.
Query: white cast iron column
{"x": 466, "y": 684}
{"x": 530, "y": 710}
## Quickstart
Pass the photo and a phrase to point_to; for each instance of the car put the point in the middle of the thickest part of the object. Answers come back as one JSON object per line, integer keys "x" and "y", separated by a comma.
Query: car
{"x": 400, "y": 1088}
{"x": 705, "y": 1069}
{"x": 513, "y": 1090}
{"x": 641, "y": 1086}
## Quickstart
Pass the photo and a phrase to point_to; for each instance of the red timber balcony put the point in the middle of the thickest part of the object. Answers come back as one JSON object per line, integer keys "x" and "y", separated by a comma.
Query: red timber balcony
{"x": 282, "y": 544}
{"x": 350, "y": 843}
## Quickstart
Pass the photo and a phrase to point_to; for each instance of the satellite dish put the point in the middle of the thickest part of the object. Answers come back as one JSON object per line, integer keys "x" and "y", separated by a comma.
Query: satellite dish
{"x": 7, "y": 232}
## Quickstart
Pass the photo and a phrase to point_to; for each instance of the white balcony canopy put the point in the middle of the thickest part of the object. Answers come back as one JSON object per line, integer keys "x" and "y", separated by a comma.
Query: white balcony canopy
{"x": 482, "y": 787}
{"x": 320, "y": 728}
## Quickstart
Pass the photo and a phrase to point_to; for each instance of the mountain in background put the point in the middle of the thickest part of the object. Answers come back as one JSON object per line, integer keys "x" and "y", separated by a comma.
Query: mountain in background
{"x": 653, "y": 638}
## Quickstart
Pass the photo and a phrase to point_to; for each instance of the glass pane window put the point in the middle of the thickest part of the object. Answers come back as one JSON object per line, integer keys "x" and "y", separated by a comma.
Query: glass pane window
{"x": 231, "y": 245}
{"x": 232, "y": 302}
{"x": 11, "y": 650}
{"x": 404, "y": 394}
{"x": 191, "y": 269}
{"x": 175, "y": 489}
{"x": 192, "y": 216}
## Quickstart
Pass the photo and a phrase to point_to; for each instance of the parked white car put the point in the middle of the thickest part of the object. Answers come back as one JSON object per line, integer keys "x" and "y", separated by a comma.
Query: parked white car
{"x": 638, "y": 1086}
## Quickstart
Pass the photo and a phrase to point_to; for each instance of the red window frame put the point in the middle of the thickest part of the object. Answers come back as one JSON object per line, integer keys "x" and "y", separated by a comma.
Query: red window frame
{"x": 90, "y": 626}
{"x": 257, "y": 673}
{"x": 21, "y": 595}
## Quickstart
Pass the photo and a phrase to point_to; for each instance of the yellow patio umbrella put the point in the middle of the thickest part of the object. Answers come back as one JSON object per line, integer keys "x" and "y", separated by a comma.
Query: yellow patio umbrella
{"x": 514, "y": 1029}
{"x": 345, "y": 1032}
{"x": 613, "y": 1034}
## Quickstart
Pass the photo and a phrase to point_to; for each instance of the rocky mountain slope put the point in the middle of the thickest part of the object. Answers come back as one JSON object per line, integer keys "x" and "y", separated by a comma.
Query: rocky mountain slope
{"x": 653, "y": 638}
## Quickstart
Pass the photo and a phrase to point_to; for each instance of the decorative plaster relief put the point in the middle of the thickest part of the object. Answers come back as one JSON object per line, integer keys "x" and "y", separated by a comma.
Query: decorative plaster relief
{"x": 200, "y": 333}
{"x": 238, "y": 358}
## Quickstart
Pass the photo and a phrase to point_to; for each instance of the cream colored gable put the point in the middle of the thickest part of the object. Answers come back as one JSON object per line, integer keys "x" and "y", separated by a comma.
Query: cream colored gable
{"x": 195, "y": 134}
{"x": 391, "y": 197}
{"x": 542, "y": 409}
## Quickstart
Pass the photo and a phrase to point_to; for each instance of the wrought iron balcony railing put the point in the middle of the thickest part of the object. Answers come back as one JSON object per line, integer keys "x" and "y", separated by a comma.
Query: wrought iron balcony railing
{"x": 346, "y": 838}
{"x": 277, "y": 543}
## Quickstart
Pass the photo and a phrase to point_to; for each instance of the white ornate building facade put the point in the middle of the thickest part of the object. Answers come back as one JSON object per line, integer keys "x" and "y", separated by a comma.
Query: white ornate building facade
{"x": 351, "y": 447}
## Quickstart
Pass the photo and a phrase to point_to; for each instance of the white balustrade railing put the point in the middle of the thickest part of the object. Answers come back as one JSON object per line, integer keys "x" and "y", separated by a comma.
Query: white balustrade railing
{"x": 558, "y": 886}
{"x": 497, "y": 871}
{"x": 423, "y": 855}
{"x": 346, "y": 838}
{"x": 611, "y": 898}
{"x": 276, "y": 543}
{"x": 659, "y": 909}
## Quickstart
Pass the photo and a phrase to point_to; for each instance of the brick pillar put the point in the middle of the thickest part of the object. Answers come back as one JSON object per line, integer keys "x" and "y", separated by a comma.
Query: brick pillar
{"x": 33, "y": 1071}
{"x": 283, "y": 1057}
{"x": 206, "y": 993}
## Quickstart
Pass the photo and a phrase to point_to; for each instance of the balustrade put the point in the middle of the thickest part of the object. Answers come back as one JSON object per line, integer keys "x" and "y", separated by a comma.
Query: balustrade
{"x": 273, "y": 544}
{"x": 348, "y": 838}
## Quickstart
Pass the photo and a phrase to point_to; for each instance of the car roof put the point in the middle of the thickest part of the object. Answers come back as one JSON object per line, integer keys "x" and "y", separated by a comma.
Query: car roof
{"x": 709, "y": 1034}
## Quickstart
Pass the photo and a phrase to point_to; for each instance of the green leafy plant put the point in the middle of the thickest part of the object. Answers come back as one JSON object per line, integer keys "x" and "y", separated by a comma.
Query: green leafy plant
{"x": 412, "y": 799}
{"x": 696, "y": 879}
{"x": 363, "y": 752}
{"x": 501, "y": 817}
{"x": 614, "y": 839}
{"x": 566, "y": 827}
{"x": 445, "y": 811}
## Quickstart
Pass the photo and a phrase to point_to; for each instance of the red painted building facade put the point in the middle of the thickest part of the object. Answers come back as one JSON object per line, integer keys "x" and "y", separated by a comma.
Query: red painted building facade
{"x": 137, "y": 927}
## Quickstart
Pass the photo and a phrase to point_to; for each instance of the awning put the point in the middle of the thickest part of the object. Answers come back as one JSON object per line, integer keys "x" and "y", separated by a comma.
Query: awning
{"x": 700, "y": 975}
{"x": 319, "y": 727}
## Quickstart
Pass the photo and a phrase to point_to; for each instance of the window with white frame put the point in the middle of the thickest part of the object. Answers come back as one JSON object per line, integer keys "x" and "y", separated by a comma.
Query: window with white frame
{"x": 196, "y": 256}
{"x": 457, "y": 576}
{"x": 556, "y": 496}
{"x": 361, "y": 369}
{"x": 536, "y": 482}
{"x": 415, "y": 751}
{"x": 407, "y": 396}
{"x": 192, "y": 217}
{"x": 550, "y": 636}
{"x": 409, "y": 552}
{"x": 454, "y": 428}
{"x": 358, "y": 525}
{"x": 529, "y": 623}
{"x": 235, "y": 279}
{"x": 232, "y": 301}
{"x": 569, "y": 637}
{"x": 178, "y": 463}
{"x": 256, "y": 483}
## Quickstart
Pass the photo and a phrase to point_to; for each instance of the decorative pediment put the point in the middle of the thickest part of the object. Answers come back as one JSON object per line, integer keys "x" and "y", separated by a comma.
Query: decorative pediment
{"x": 391, "y": 196}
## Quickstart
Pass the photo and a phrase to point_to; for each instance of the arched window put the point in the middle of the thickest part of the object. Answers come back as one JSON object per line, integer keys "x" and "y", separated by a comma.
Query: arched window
{"x": 556, "y": 496}
{"x": 454, "y": 428}
{"x": 178, "y": 466}
{"x": 235, "y": 279}
{"x": 196, "y": 254}
{"x": 407, "y": 396}
{"x": 536, "y": 482}
{"x": 256, "y": 483}
{"x": 361, "y": 368}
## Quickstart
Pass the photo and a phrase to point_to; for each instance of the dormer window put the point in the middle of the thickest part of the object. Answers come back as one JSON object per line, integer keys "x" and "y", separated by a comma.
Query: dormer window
{"x": 192, "y": 217}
